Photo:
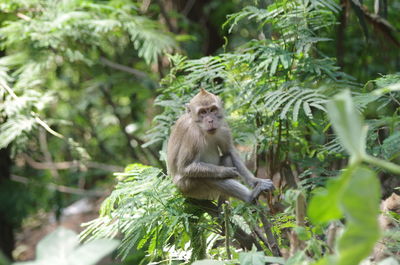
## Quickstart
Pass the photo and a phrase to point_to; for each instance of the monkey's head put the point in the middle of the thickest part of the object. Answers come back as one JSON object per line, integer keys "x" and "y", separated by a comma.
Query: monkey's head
{"x": 206, "y": 110}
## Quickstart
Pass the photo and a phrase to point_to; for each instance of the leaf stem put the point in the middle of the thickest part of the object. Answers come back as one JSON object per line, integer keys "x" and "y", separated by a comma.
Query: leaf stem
{"x": 383, "y": 164}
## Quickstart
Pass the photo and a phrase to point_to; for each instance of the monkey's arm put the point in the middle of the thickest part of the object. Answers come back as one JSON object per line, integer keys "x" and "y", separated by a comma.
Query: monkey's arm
{"x": 257, "y": 183}
{"x": 241, "y": 167}
{"x": 205, "y": 170}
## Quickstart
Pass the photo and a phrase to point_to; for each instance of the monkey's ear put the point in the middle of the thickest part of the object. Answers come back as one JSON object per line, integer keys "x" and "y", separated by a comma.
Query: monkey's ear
{"x": 187, "y": 107}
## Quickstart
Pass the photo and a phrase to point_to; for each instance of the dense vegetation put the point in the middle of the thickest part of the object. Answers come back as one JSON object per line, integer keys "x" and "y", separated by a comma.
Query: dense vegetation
{"x": 310, "y": 89}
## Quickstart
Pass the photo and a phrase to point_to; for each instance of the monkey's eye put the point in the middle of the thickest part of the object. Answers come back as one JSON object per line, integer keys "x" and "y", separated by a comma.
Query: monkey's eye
{"x": 202, "y": 111}
{"x": 214, "y": 110}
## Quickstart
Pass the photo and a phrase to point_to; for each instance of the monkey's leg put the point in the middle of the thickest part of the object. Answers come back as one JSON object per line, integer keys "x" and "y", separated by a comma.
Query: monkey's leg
{"x": 226, "y": 161}
{"x": 262, "y": 184}
{"x": 232, "y": 188}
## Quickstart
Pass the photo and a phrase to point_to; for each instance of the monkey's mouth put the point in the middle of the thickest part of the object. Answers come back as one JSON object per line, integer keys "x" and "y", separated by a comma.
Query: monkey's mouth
{"x": 211, "y": 131}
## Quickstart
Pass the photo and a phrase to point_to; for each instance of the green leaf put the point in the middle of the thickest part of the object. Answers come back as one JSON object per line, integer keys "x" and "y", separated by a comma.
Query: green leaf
{"x": 275, "y": 260}
{"x": 325, "y": 204}
{"x": 348, "y": 124}
{"x": 302, "y": 233}
{"x": 252, "y": 258}
{"x": 92, "y": 252}
{"x": 208, "y": 262}
{"x": 14, "y": 127}
{"x": 360, "y": 204}
{"x": 59, "y": 243}
{"x": 274, "y": 66}
{"x": 62, "y": 247}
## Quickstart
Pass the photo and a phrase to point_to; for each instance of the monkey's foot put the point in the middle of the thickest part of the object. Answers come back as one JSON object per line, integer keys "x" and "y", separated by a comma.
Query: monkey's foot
{"x": 262, "y": 185}
{"x": 265, "y": 184}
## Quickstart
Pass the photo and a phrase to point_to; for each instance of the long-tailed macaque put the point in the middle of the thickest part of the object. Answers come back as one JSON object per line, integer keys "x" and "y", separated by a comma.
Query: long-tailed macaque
{"x": 202, "y": 158}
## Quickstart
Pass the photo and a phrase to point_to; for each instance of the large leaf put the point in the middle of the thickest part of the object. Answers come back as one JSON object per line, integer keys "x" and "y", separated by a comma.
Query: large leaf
{"x": 348, "y": 124}
{"x": 252, "y": 258}
{"x": 62, "y": 248}
{"x": 57, "y": 244}
{"x": 355, "y": 194}
{"x": 325, "y": 204}
{"x": 360, "y": 204}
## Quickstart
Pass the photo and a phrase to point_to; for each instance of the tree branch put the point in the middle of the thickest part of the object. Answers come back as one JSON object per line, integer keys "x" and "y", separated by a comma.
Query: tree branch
{"x": 60, "y": 188}
{"x": 124, "y": 68}
{"x": 69, "y": 165}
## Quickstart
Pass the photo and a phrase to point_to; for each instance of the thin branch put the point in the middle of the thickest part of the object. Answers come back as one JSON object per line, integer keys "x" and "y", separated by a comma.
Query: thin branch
{"x": 9, "y": 90}
{"x": 70, "y": 165}
{"x": 227, "y": 235}
{"x": 60, "y": 188}
{"x": 166, "y": 17}
{"x": 124, "y": 68}
{"x": 188, "y": 7}
{"x": 272, "y": 244}
{"x": 24, "y": 17}
{"x": 47, "y": 155}
{"x": 257, "y": 230}
{"x": 379, "y": 23}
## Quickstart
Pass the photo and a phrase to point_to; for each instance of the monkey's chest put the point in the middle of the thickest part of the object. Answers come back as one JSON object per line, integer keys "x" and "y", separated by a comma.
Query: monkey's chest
{"x": 210, "y": 154}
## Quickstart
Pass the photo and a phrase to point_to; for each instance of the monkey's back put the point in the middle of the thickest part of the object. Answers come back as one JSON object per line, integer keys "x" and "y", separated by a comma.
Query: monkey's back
{"x": 182, "y": 141}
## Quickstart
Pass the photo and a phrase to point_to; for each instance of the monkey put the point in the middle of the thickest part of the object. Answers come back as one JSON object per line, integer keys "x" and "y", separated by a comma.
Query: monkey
{"x": 202, "y": 159}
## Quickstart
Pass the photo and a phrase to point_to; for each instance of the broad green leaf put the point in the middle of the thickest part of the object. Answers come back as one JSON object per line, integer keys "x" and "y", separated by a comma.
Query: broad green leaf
{"x": 252, "y": 258}
{"x": 360, "y": 204}
{"x": 275, "y": 260}
{"x": 348, "y": 124}
{"x": 59, "y": 243}
{"x": 208, "y": 262}
{"x": 61, "y": 247}
{"x": 92, "y": 252}
{"x": 302, "y": 233}
{"x": 299, "y": 258}
{"x": 325, "y": 204}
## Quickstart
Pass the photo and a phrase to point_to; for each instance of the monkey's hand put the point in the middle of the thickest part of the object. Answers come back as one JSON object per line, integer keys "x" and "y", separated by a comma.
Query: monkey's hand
{"x": 263, "y": 184}
{"x": 229, "y": 172}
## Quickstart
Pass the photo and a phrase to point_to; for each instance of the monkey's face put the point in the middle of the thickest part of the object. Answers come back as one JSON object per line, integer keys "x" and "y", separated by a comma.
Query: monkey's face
{"x": 208, "y": 118}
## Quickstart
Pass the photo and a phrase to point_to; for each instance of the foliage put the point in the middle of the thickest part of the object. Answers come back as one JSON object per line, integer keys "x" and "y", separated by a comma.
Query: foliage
{"x": 276, "y": 88}
{"x": 60, "y": 75}
{"x": 89, "y": 70}
{"x": 62, "y": 247}
{"x": 356, "y": 193}
{"x": 271, "y": 85}
{"x": 51, "y": 32}
{"x": 146, "y": 210}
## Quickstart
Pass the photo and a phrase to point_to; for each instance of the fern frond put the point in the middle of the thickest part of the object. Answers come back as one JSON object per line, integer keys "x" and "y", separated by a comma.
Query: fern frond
{"x": 142, "y": 207}
{"x": 292, "y": 99}
{"x": 14, "y": 128}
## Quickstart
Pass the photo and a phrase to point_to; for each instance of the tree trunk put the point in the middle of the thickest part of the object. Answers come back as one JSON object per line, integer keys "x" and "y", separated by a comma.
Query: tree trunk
{"x": 7, "y": 239}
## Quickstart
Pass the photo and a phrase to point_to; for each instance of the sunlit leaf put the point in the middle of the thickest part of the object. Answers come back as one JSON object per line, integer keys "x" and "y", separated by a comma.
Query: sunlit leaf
{"x": 348, "y": 124}
{"x": 360, "y": 204}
